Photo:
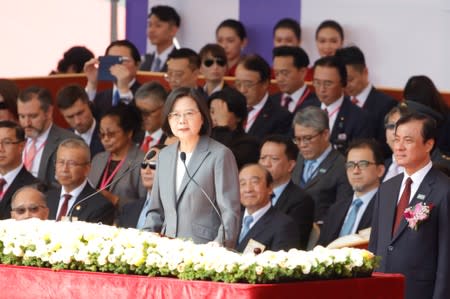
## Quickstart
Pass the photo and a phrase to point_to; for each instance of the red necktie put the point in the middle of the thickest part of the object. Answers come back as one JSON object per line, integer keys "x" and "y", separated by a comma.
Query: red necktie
{"x": 2, "y": 184}
{"x": 287, "y": 101}
{"x": 355, "y": 101}
{"x": 64, "y": 207}
{"x": 146, "y": 144}
{"x": 31, "y": 153}
{"x": 402, "y": 205}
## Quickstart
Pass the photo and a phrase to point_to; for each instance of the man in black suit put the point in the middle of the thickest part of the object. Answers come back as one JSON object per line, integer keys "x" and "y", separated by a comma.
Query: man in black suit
{"x": 290, "y": 65}
{"x": 13, "y": 174}
{"x": 261, "y": 222}
{"x": 35, "y": 109}
{"x": 346, "y": 120}
{"x": 72, "y": 169}
{"x": 419, "y": 250}
{"x": 364, "y": 170}
{"x": 183, "y": 68}
{"x": 320, "y": 169}
{"x": 265, "y": 115}
{"x": 363, "y": 94}
{"x": 278, "y": 155}
{"x": 125, "y": 85}
{"x": 73, "y": 102}
{"x": 163, "y": 25}
{"x": 150, "y": 99}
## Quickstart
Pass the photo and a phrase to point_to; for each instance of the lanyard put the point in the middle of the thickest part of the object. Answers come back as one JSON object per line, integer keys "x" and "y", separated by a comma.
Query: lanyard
{"x": 107, "y": 179}
{"x": 252, "y": 120}
{"x": 303, "y": 97}
{"x": 26, "y": 157}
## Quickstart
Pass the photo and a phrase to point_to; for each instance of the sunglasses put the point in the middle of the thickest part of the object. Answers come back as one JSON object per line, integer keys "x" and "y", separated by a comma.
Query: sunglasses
{"x": 210, "y": 62}
{"x": 151, "y": 164}
{"x": 32, "y": 209}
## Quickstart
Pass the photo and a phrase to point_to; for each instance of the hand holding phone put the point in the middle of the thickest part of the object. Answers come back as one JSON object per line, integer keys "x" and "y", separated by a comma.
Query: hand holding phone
{"x": 105, "y": 63}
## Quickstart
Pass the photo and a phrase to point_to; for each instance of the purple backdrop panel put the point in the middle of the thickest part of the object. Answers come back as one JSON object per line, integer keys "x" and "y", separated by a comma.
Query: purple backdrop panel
{"x": 259, "y": 17}
{"x": 136, "y": 23}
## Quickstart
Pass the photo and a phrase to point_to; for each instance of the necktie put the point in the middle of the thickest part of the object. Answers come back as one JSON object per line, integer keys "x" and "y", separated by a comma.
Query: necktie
{"x": 287, "y": 101}
{"x": 402, "y": 205}
{"x": 156, "y": 66}
{"x": 351, "y": 219}
{"x": 326, "y": 111}
{"x": 143, "y": 215}
{"x": 31, "y": 153}
{"x": 2, "y": 184}
{"x": 308, "y": 170}
{"x": 245, "y": 227}
{"x": 146, "y": 143}
{"x": 116, "y": 98}
{"x": 64, "y": 207}
{"x": 355, "y": 101}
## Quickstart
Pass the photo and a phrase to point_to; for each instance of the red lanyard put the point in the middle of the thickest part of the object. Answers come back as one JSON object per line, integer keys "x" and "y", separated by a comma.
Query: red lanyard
{"x": 330, "y": 114}
{"x": 303, "y": 97}
{"x": 25, "y": 153}
{"x": 252, "y": 120}
{"x": 107, "y": 179}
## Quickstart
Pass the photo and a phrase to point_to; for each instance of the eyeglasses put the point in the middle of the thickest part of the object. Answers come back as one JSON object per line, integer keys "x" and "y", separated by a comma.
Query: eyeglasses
{"x": 186, "y": 115}
{"x": 174, "y": 75}
{"x": 325, "y": 84}
{"x": 69, "y": 163}
{"x": 245, "y": 84}
{"x": 305, "y": 139}
{"x": 32, "y": 209}
{"x": 210, "y": 62}
{"x": 8, "y": 143}
{"x": 148, "y": 113}
{"x": 363, "y": 164}
{"x": 389, "y": 126}
{"x": 151, "y": 164}
{"x": 109, "y": 134}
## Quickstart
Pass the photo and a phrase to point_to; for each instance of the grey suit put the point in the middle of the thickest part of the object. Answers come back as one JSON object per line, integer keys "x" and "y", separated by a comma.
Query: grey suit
{"x": 190, "y": 214}
{"x": 129, "y": 187}
{"x": 46, "y": 173}
{"x": 329, "y": 185}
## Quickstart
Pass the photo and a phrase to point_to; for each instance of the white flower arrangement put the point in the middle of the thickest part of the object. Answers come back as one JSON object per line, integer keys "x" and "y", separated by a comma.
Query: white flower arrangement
{"x": 93, "y": 247}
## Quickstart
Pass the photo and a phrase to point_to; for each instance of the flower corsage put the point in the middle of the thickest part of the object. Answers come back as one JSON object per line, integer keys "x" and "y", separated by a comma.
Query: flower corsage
{"x": 417, "y": 214}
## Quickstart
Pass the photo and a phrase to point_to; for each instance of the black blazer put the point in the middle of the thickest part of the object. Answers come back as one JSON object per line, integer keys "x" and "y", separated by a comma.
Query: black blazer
{"x": 310, "y": 100}
{"x": 129, "y": 215}
{"x": 272, "y": 119}
{"x": 148, "y": 61}
{"x": 299, "y": 205}
{"x": 329, "y": 185}
{"x": 351, "y": 122}
{"x": 275, "y": 230}
{"x": 332, "y": 224}
{"x": 421, "y": 255}
{"x": 95, "y": 209}
{"x": 23, "y": 178}
{"x": 96, "y": 145}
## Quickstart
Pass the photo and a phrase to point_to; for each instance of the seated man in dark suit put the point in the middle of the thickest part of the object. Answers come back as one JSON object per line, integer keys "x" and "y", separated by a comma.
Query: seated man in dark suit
{"x": 163, "y": 25}
{"x": 183, "y": 68}
{"x": 265, "y": 115}
{"x": 363, "y": 94}
{"x": 29, "y": 202}
{"x": 125, "y": 73}
{"x": 35, "y": 109}
{"x": 261, "y": 222}
{"x": 278, "y": 155}
{"x": 13, "y": 174}
{"x": 290, "y": 65}
{"x": 320, "y": 169}
{"x": 73, "y": 102}
{"x": 346, "y": 120}
{"x": 150, "y": 99}
{"x": 72, "y": 169}
{"x": 364, "y": 170}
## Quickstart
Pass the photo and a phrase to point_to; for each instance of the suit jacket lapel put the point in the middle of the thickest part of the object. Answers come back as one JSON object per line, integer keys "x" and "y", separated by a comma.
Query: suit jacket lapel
{"x": 258, "y": 227}
{"x": 53, "y": 204}
{"x": 50, "y": 146}
{"x": 322, "y": 169}
{"x": 129, "y": 159}
{"x": 261, "y": 120}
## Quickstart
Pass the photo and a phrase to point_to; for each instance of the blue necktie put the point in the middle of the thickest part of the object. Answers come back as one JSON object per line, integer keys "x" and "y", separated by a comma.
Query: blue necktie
{"x": 143, "y": 215}
{"x": 156, "y": 66}
{"x": 116, "y": 98}
{"x": 351, "y": 219}
{"x": 308, "y": 170}
{"x": 245, "y": 227}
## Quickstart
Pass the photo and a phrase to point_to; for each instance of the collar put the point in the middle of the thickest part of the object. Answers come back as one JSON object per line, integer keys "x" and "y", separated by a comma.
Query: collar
{"x": 296, "y": 95}
{"x": 156, "y": 135}
{"x": 11, "y": 175}
{"x": 41, "y": 138}
{"x": 219, "y": 87}
{"x": 366, "y": 197}
{"x": 259, "y": 213}
{"x": 325, "y": 154}
{"x": 418, "y": 176}
{"x": 75, "y": 192}
{"x": 164, "y": 54}
{"x": 333, "y": 106}
{"x": 88, "y": 134}
{"x": 363, "y": 95}
{"x": 261, "y": 103}
{"x": 277, "y": 192}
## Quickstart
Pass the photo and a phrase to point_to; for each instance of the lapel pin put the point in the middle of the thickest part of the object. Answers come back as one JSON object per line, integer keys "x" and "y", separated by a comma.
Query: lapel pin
{"x": 322, "y": 170}
{"x": 421, "y": 196}
{"x": 78, "y": 208}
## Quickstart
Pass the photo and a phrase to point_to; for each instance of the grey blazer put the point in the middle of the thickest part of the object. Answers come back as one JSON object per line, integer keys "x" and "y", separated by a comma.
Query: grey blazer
{"x": 129, "y": 187}
{"x": 190, "y": 215}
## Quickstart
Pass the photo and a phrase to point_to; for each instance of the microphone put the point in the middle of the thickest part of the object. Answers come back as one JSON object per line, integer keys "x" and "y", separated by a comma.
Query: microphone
{"x": 183, "y": 159}
{"x": 148, "y": 156}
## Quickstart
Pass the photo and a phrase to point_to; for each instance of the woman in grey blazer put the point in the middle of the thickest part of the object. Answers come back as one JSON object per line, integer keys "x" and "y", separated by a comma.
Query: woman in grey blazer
{"x": 195, "y": 192}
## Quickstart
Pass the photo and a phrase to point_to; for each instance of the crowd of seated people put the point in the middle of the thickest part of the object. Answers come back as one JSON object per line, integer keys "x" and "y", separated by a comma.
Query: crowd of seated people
{"x": 307, "y": 155}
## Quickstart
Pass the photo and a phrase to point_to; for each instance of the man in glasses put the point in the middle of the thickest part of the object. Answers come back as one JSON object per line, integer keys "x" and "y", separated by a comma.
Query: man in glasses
{"x": 150, "y": 99}
{"x": 364, "y": 171}
{"x": 320, "y": 169}
{"x": 29, "y": 202}
{"x": 134, "y": 214}
{"x": 213, "y": 68}
{"x": 73, "y": 102}
{"x": 183, "y": 68}
{"x": 75, "y": 196}
{"x": 13, "y": 174}
{"x": 265, "y": 115}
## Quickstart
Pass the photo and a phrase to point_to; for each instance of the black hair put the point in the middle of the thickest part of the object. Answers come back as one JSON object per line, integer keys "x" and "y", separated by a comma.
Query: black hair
{"x": 189, "y": 54}
{"x": 333, "y": 25}
{"x": 255, "y": 63}
{"x": 166, "y": 14}
{"x": 43, "y": 95}
{"x": 237, "y": 26}
{"x": 299, "y": 55}
{"x": 126, "y": 43}
{"x": 290, "y": 149}
{"x": 68, "y": 95}
{"x": 20, "y": 132}
{"x": 129, "y": 117}
{"x": 333, "y": 62}
{"x": 371, "y": 144}
{"x": 352, "y": 56}
{"x": 290, "y": 24}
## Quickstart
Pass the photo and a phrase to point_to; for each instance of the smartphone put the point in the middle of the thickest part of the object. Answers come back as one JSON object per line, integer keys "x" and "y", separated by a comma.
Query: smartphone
{"x": 105, "y": 62}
